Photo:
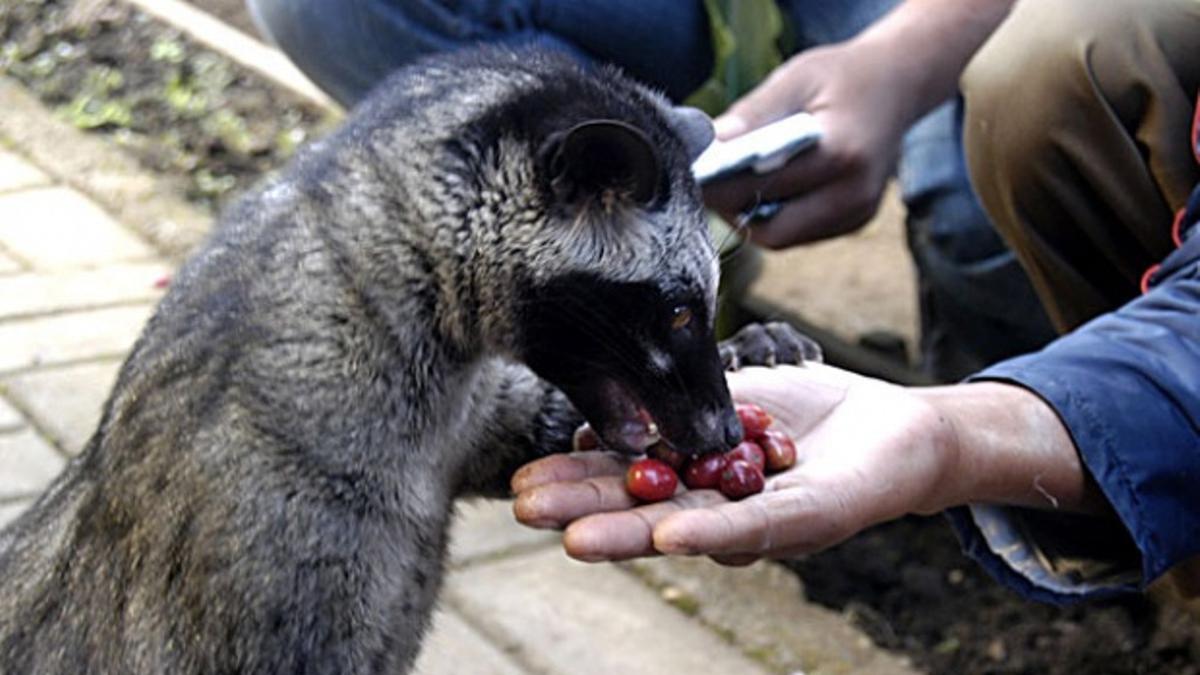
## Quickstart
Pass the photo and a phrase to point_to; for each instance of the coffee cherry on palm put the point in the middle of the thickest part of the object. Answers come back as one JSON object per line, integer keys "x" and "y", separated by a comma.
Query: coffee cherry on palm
{"x": 704, "y": 471}
{"x": 741, "y": 479}
{"x": 749, "y": 451}
{"x": 651, "y": 480}
{"x": 779, "y": 449}
{"x": 754, "y": 420}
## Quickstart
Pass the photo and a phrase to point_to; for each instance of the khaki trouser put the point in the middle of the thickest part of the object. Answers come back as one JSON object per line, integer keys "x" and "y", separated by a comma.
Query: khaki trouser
{"x": 1078, "y": 119}
{"x": 1078, "y": 127}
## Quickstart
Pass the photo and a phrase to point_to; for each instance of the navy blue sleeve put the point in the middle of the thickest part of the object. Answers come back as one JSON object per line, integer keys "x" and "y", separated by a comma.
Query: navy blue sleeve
{"x": 1127, "y": 387}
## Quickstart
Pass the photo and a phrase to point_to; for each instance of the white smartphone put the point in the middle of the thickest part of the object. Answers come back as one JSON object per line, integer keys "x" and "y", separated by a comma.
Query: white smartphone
{"x": 765, "y": 149}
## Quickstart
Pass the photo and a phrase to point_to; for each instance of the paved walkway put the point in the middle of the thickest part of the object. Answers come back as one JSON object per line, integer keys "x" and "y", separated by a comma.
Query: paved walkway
{"x": 85, "y": 239}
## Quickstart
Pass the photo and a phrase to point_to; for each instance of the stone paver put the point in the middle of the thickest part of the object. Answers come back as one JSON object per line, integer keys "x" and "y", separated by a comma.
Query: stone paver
{"x": 562, "y": 616}
{"x": 8, "y": 265}
{"x": 485, "y": 527}
{"x": 152, "y": 204}
{"x": 452, "y": 647}
{"x": 27, "y": 464}
{"x": 10, "y": 510}
{"x": 762, "y": 608}
{"x": 57, "y": 228}
{"x": 34, "y": 293}
{"x": 17, "y": 174}
{"x": 70, "y": 337}
{"x": 65, "y": 402}
{"x": 10, "y": 419}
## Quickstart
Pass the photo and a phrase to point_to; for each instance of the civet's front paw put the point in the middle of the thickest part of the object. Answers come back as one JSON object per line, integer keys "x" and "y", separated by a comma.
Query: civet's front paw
{"x": 768, "y": 344}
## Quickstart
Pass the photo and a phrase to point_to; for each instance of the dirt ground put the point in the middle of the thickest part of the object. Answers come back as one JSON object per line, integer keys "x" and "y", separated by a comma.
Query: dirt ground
{"x": 182, "y": 110}
{"x": 185, "y": 110}
{"x": 852, "y": 285}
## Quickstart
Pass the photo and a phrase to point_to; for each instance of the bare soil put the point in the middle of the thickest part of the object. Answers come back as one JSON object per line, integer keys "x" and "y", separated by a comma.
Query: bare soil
{"x": 178, "y": 108}
{"x": 908, "y": 586}
{"x": 186, "y": 110}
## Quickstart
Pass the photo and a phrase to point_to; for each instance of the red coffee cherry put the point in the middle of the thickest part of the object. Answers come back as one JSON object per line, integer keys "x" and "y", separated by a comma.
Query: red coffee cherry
{"x": 754, "y": 420}
{"x": 704, "y": 472}
{"x": 779, "y": 449}
{"x": 749, "y": 451}
{"x": 651, "y": 480}
{"x": 741, "y": 479}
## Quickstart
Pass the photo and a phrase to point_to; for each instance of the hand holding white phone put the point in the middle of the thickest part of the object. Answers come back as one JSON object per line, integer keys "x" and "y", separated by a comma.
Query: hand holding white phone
{"x": 762, "y": 150}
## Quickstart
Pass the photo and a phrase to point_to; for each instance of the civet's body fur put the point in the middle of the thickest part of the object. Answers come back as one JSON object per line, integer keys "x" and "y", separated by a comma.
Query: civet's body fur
{"x": 269, "y": 488}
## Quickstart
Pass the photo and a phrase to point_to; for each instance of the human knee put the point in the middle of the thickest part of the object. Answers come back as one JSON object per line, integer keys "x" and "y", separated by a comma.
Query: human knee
{"x": 1062, "y": 84}
{"x": 1024, "y": 82}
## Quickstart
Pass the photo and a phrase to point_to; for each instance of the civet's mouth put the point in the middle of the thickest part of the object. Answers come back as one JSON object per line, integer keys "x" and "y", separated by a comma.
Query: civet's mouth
{"x": 623, "y": 424}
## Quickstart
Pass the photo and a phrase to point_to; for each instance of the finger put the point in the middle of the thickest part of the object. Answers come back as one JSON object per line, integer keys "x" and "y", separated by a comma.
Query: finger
{"x": 566, "y": 467}
{"x": 553, "y": 505}
{"x": 628, "y": 534}
{"x": 730, "y": 125}
{"x": 774, "y": 98}
{"x": 768, "y": 522}
{"x": 725, "y": 529}
{"x": 804, "y": 173}
{"x": 748, "y": 113}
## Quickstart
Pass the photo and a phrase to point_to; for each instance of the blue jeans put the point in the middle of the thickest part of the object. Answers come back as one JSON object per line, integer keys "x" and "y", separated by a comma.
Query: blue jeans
{"x": 347, "y": 46}
{"x": 976, "y": 304}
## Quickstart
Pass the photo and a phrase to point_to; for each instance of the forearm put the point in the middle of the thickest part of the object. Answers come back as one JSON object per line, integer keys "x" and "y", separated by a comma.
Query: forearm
{"x": 1009, "y": 447}
{"x": 929, "y": 43}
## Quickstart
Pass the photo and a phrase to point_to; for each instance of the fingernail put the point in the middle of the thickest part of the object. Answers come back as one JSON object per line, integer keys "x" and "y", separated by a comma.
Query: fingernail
{"x": 528, "y": 513}
{"x": 728, "y": 126}
{"x": 518, "y": 480}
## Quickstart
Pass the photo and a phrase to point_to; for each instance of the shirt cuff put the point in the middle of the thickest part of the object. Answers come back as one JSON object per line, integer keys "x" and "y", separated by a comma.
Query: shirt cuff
{"x": 1049, "y": 557}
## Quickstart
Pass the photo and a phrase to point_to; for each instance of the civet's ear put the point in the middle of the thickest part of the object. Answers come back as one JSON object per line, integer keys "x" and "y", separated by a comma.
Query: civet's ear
{"x": 603, "y": 155}
{"x": 694, "y": 127}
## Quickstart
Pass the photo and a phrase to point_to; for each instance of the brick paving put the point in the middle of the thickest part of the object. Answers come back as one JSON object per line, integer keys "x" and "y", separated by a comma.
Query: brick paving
{"x": 78, "y": 273}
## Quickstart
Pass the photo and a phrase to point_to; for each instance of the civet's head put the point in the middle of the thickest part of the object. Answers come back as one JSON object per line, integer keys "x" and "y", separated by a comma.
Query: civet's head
{"x": 615, "y": 275}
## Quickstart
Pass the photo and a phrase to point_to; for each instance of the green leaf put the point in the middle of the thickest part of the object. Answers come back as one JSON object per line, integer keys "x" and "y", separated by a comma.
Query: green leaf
{"x": 746, "y": 36}
{"x": 169, "y": 50}
{"x": 86, "y": 112}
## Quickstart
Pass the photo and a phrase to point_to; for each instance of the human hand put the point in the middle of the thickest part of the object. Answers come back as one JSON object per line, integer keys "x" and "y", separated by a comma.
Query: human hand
{"x": 836, "y": 186}
{"x": 868, "y": 452}
{"x": 864, "y": 92}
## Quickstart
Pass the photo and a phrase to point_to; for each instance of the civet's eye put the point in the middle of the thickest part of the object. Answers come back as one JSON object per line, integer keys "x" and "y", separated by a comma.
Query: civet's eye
{"x": 681, "y": 316}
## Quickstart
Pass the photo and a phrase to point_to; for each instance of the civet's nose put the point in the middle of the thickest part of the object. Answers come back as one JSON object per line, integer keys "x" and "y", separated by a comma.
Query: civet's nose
{"x": 733, "y": 428}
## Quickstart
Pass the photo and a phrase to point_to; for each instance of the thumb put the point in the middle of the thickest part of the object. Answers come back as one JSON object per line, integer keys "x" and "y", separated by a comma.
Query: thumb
{"x": 775, "y": 98}
{"x": 802, "y": 516}
{"x": 730, "y": 125}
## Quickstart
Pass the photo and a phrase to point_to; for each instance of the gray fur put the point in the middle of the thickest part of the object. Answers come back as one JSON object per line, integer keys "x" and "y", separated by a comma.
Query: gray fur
{"x": 269, "y": 488}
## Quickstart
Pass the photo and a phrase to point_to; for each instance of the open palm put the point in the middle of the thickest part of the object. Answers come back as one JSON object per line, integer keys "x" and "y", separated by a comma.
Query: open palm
{"x": 867, "y": 452}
